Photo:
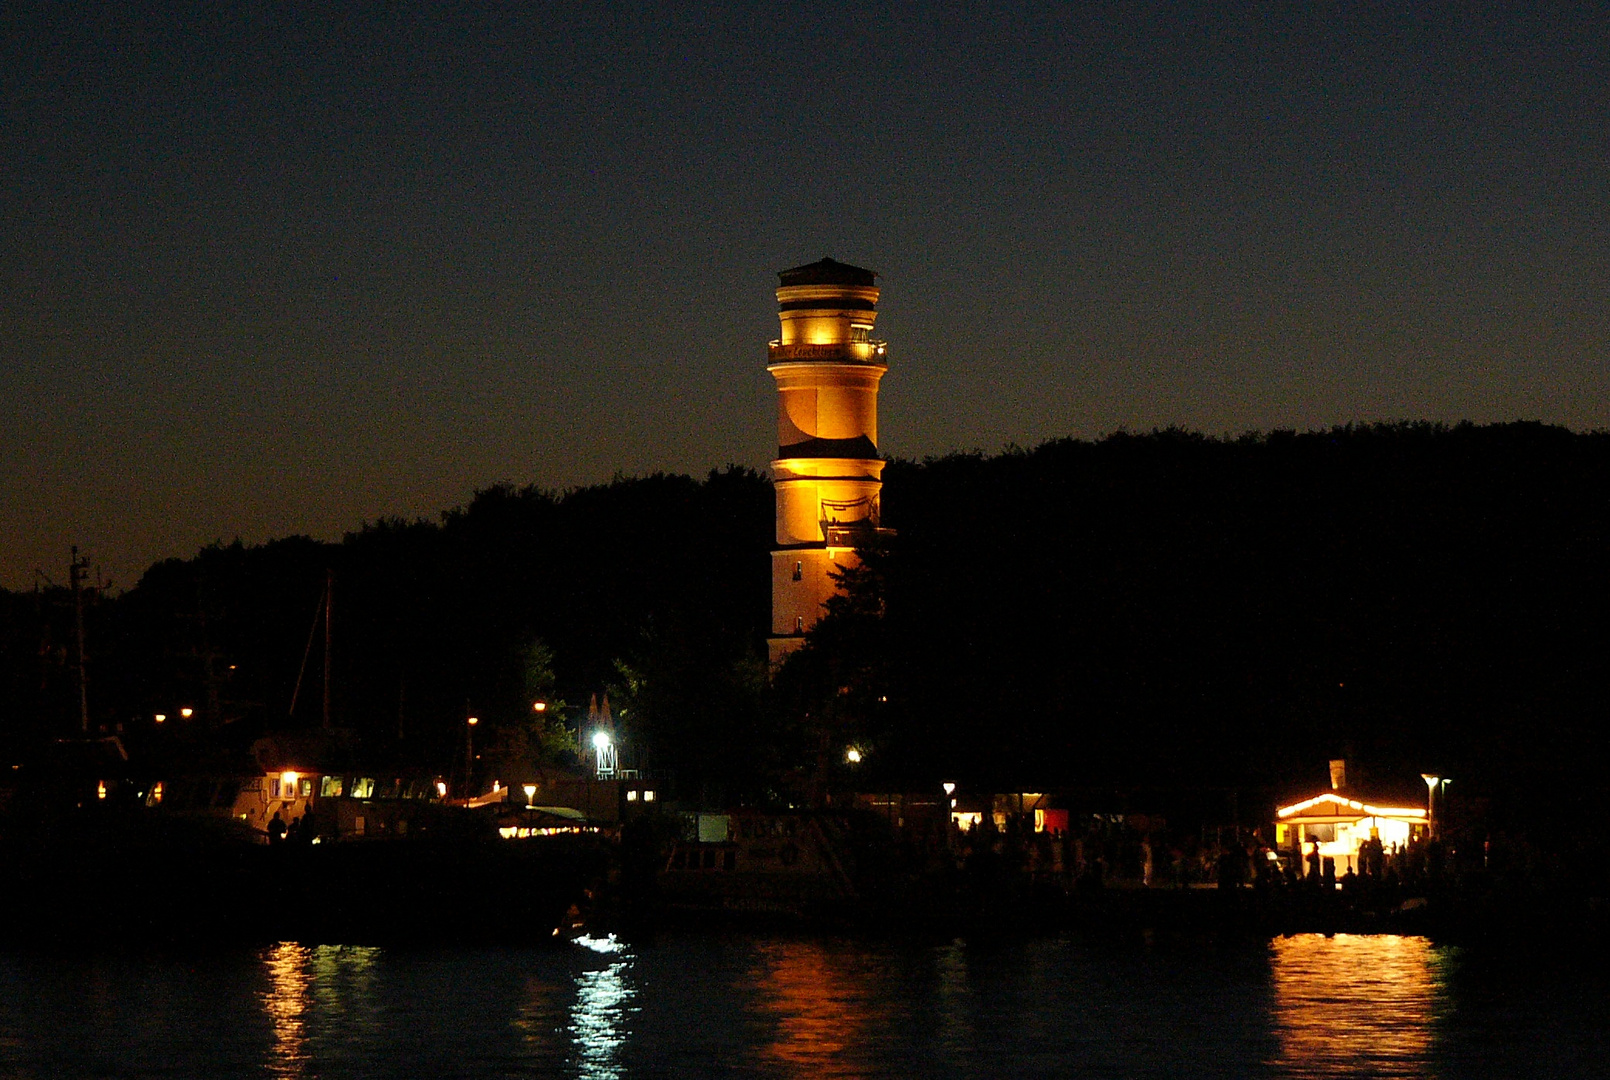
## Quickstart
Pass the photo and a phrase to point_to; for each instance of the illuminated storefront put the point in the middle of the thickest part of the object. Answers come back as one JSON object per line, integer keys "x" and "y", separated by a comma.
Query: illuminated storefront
{"x": 1341, "y": 825}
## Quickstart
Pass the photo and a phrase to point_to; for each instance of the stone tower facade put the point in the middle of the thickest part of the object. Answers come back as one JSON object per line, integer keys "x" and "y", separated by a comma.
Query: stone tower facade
{"x": 828, "y": 475}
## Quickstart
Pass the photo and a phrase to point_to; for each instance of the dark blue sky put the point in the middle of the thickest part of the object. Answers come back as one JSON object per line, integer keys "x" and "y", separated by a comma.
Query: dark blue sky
{"x": 276, "y": 268}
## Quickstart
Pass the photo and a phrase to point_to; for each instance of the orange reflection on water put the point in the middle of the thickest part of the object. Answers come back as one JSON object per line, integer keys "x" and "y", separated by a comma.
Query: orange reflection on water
{"x": 286, "y": 1002}
{"x": 1353, "y": 1004}
{"x": 823, "y": 1003}
{"x": 311, "y": 992}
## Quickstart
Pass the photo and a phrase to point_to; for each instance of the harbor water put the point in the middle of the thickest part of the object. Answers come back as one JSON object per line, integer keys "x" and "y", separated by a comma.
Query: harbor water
{"x": 794, "y": 1006}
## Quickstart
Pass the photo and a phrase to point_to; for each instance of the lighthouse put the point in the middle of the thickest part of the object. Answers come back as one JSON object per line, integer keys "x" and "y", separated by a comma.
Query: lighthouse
{"x": 827, "y": 475}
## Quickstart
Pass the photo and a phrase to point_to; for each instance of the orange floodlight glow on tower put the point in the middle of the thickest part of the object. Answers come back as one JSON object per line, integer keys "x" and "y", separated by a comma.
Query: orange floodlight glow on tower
{"x": 828, "y": 472}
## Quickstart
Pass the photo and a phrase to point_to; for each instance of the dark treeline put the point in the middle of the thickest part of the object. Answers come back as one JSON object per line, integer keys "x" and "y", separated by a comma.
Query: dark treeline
{"x": 1162, "y": 609}
{"x": 654, "y": 588}
{"x": 1170, "y": 609}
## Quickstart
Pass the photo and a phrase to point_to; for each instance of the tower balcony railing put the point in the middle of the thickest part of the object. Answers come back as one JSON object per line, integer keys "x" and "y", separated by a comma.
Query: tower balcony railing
{"x": 854, "y": 352}
{"x": 853, "y": 534}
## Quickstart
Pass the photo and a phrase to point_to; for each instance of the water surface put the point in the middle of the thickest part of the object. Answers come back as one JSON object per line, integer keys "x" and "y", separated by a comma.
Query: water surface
{"x": 771, "y": 1006}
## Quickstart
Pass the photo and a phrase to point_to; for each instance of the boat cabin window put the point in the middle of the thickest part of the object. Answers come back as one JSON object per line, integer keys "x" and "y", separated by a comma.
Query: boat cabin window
{"x": 330, "y": 785}
{"x": 305, "y": 786}
{"x": 363, "y": 787}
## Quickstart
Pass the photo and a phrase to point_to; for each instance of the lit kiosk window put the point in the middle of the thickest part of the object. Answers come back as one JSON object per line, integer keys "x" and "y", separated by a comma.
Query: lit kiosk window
{"x": 828, "y": 471}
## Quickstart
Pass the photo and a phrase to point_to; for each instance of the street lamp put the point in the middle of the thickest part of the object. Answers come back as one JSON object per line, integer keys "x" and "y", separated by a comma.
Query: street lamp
{"x": 853, "y": 756}
{"x": 604, "y": 753}
{"x": 1432, "y": 784}
{"x": 530, "y": 793}
{"x": 539, "y": 706}
{"x": 469, "y": 754}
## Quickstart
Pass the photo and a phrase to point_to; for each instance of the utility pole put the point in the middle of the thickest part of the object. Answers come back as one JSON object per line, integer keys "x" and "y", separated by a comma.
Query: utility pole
{"x": 207, "y": 656}
{"x": 209, "y": 674}
{"x": 329, "y": 605}
{"x": 75, "y": 575}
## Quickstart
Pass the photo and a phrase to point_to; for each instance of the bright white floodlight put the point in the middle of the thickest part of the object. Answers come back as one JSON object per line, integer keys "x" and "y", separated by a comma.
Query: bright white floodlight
{"x": 604, "y": 755}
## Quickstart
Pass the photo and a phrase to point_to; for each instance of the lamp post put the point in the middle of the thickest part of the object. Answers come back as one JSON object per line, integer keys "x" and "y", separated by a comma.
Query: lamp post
{"x": 949, "y": 820}
{"x": 530, "y": 793}
{"x": 469, "y": 754}
{"x": 1433, "y": 783}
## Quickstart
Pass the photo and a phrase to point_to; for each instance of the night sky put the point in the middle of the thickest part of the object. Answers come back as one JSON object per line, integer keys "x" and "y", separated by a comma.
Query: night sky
{"x": 283, "y": 268}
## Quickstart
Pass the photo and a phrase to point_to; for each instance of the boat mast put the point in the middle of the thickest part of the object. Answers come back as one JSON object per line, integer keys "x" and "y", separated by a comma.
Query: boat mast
{"x": 329, "y": 603}
{"x": 75, "y": 575}
{"x": 322, "y": 611}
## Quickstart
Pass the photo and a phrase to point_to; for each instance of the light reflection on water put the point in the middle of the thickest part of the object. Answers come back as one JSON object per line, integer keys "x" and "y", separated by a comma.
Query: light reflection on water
{"x": 743, "y": 1005}
{"x": 330, "y": 984}
{"x": 1340, "y": 1006}
{"x": 1355, "y": 1004}
{"x": 824, "y": 1006}
{"x": 953, "y": 1016}
{"x": 286, "y": 1003}
{"x": 598, "y": 1020}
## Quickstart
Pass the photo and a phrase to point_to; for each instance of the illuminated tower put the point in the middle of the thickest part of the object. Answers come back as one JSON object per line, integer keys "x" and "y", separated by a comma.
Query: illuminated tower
{"x": 827, "y": 473}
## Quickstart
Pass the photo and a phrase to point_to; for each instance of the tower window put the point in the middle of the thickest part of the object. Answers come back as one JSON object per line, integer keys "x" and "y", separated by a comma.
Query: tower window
{"x": 799, "y": 624}
{"x": 799, "y": 571}
{"x": 860, "y": 333}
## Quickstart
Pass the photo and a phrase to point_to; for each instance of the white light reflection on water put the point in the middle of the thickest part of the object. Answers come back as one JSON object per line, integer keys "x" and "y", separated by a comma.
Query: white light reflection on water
{"x": 604, "y": 996}
{"x": 1356, "y": 1004}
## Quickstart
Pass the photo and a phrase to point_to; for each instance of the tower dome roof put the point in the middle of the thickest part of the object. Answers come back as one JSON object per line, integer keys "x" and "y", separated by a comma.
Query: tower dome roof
{"x": 826, "y": 272}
